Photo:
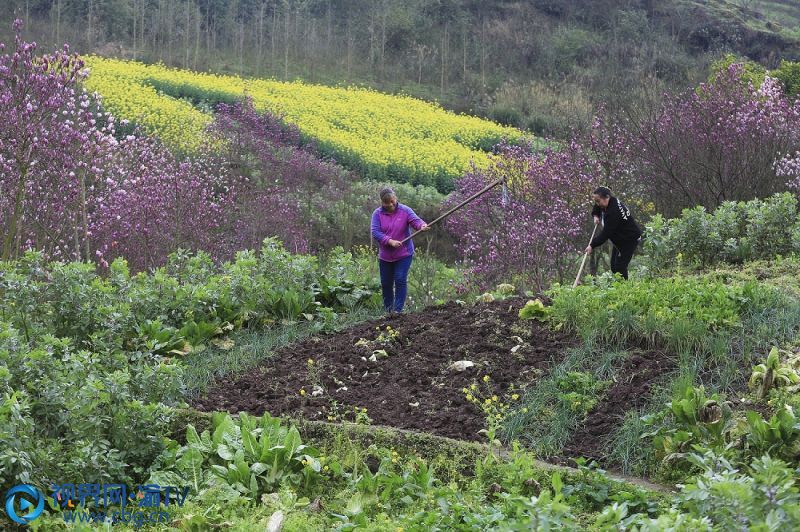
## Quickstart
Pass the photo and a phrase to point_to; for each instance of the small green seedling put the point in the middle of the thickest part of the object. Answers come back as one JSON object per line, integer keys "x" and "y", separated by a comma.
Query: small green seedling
{"x": 534, "y": 310}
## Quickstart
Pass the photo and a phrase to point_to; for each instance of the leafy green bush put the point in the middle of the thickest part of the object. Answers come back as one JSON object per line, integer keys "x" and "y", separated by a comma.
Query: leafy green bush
{"x": 761, "y": 496}
{"x": 789, "y": 75}
{"x": 772, "y": 373}
{"x": 90, "y": 364}
{"x": 754, "y": 72}
{"x": 68, "y": 413}
{"x": 734, "y": 232}
{"x": 245, "y": 458}
{"x": 693, "y": 421}
{"x": 755, "y": 499}
{"x": 579, "y": 391}
{"x": 190, "y": 295}
{"x": 776, "y": 437}
{"x": 18, "y": 450}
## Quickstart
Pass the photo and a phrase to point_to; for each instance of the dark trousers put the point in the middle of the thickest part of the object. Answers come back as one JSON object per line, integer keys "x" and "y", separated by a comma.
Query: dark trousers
{"x": 621, "y": 254}
{"x": 394, "y": 283}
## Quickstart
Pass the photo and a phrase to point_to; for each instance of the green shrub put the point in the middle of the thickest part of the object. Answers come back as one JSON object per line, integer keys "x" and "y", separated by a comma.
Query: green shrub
{"x": 534, "y": 310}
{"x": 770, "y": 225}
{"x": 734, "y": 232}
{"x": 691, "y": 420}
{"x": 755, "y": 499}
{"x": 753, "y": 71}
{"x": 776, "y": 436}
{"x": 789, "y": 75}
{"x": 67, "y": 413}
{"x": 579, "y": 392}
{"x": 244, "y": 458}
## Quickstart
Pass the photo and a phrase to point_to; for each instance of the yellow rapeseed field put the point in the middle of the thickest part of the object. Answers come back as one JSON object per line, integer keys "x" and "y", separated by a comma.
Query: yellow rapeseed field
{"x": 397, "y": 138}
{"x": 121, "y": 84}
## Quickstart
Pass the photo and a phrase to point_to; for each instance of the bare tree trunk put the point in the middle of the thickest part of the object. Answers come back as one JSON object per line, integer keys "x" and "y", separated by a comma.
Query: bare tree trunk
{"x": 371, "y": 30}
{"x": 198, "y": 24}
{"x": 89, "y": 24}
{"x": 186, "y": 37}
{"x": 444, "y": 60}
{"x": 296, "y": 26}
{"x": 58, "y": 24}
{"x": 167, "y": 30}
{"x": 240, "y": 27}
{"x": 142, "y": 42}
{"x": 207, "y": 31}
{"x": 384, "y": 16}
{"x": 311, "y": 39}
{"x": 329, "y": 33}
{"x": 272, "y": 36}
{"x": 350, "y": 44}
{"x": 76, "y": 240}
{"x": 422, "y": 51}
{"x": 483, "y": 54}
{"x": 15, "y": 225}
{"x": 464, "y": 47}
{"x": 133, "y": 46}
{"x": 84, "y": 220}
{"x": 286, "y": 26}
{"x": 260, "y": 46}
{"x": 157, "y": 29}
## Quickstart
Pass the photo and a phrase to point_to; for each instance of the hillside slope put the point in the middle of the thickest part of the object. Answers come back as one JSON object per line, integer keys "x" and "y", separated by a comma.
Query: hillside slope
{"x": 542, "y": 65}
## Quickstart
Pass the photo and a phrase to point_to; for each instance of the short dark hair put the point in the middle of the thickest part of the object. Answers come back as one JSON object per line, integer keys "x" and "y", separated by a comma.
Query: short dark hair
{"x": 387, "y": 193}
{"x": 603, "y": 192}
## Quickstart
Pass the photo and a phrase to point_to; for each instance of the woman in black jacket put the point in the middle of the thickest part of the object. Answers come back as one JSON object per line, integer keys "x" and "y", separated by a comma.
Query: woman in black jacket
{"x": 618, "y": 226}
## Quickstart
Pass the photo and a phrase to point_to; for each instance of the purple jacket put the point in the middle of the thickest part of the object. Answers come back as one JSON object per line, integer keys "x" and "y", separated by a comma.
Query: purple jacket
{"x": 394, "y": 225}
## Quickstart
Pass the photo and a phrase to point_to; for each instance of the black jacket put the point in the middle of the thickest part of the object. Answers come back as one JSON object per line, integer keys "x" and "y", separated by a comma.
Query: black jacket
{"x": 619, "y": 225}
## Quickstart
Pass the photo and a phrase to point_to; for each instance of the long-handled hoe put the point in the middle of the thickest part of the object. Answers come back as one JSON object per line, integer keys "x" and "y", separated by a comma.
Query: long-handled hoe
{"x": 478, "y": 194}
{"x": 583, "y": 262}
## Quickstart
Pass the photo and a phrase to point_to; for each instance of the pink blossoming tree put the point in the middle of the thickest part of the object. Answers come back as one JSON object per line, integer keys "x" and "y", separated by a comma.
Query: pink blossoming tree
{"x": 531, "y": 234}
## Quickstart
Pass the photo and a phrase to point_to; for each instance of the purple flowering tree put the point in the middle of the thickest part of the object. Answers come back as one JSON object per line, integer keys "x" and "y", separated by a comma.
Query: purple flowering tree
{"x": 68, "y": 187}
{"x": 716, "y": 143}
{"x": 531, "y": 234}
{"x": 152, "y": 204}
{"x": 789, "y": 168}
{"x": 52, "y": 147}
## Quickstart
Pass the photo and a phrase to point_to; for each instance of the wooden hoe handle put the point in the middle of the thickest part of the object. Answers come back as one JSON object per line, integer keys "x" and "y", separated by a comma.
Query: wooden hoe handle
{"x": 583, "y": 262}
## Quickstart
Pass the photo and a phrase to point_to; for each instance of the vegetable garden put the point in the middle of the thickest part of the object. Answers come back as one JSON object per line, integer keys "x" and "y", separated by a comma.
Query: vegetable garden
{"x": 186, "y": 301}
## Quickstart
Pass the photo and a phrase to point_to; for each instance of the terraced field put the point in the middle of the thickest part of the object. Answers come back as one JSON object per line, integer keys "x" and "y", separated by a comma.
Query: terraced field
{"x": 382, "y": 137}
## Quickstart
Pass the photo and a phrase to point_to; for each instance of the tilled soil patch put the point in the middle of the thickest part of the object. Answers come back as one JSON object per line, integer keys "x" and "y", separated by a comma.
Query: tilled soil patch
{"x": 631, "y": 391}
{"x": 411, "y": 386}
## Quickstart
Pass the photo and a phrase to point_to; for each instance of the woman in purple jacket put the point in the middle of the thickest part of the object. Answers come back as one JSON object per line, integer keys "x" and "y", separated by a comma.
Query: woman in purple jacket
{"x": 391, "y": 223}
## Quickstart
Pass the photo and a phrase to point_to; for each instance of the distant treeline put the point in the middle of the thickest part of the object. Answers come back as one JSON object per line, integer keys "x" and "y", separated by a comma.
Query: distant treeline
{"x": 537, "y": 64}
